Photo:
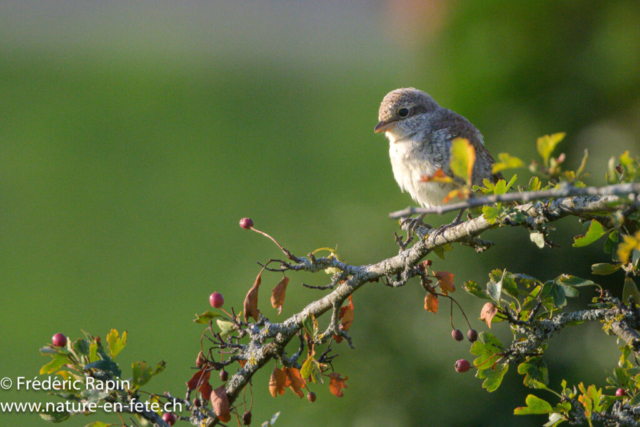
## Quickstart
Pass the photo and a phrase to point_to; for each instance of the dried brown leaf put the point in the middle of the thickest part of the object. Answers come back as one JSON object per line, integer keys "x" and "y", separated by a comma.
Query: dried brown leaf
{"x": 445, "y": 280}
{"x": 220, "y": 404}
{"x": 251, "y": 300}
{"x": 431, "y": 303}
{"x": 337, "y": 384}
{"x": 278, "y": 382}
{"x": 296, "y": 382}
{"x": 488, "y": 311}
{"x": 278, "y": 294}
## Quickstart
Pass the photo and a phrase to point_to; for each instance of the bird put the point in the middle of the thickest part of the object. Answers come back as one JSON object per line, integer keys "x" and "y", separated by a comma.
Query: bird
{"x": 420, "y": 133}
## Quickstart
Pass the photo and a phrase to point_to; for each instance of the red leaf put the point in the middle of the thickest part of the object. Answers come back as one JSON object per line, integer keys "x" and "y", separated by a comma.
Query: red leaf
{"x": 337, "y": 384}
{"x": 251, "y": 300}
{"x": 220, "y": 404}
{"x": 278, "y": 294}
{"x": 198, "y": 379}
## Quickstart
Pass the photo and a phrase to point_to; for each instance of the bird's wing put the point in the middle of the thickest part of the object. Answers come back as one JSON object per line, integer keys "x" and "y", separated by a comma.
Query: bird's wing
{"x": 451, "y": 125}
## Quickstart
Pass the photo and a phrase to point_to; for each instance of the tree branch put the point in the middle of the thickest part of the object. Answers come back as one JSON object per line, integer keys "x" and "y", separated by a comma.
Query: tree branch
{"x": 568, "y": 191}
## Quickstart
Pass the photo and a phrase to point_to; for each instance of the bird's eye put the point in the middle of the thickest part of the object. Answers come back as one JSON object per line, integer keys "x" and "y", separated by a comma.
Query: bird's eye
{"x": 403, "y": 112}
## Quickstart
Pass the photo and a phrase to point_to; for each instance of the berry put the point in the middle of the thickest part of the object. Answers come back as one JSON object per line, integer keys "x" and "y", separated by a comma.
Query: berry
{"x": 457, "y": 335}
{"x": 169, "y": 418}
{"x": 462, "y": 366}
{"x": 216, "y": 300}
{"x": 311, "y": 397}
{"x": 246, "y": 223}
{"x": 246, "y": 418}
{"x": 59, "y": 340}
{"x": 197, "y": 403}
{"x": 200, "y": 361}
{"x": 620, "y": 392}
{"x": 224, "y": 375}
{"x": 472, "y": 334}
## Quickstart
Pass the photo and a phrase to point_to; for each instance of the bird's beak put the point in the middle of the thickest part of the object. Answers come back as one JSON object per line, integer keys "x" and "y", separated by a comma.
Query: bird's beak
{"x": 383, "y": 126}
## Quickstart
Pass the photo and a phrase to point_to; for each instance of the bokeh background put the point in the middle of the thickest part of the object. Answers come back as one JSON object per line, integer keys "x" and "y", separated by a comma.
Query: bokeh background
{"x": 135, "y": 135}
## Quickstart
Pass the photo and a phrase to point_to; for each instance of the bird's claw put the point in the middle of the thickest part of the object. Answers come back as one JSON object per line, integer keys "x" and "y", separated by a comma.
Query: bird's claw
{"x": 412, "y": 224}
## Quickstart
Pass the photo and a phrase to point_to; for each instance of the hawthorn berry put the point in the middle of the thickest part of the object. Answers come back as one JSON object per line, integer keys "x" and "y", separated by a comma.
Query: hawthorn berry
{"x": 59, "y": 340}
{"x": 472, "y": 334}
{"x": 216, "y": 300}
{"x": 311, "y": 397}
{"x": 169, "y": 418}
{"x": 462, "y": 365}
{"x": 246, "y": 418}
{"x": 224, "y": 375}
{"x": 246, "y": 223}
{"x": 620, "y": 392}
{"x": 457, "y": 335}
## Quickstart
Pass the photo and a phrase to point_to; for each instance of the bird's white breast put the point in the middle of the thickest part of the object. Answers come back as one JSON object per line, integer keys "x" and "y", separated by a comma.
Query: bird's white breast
{"x": 410, "y": 162}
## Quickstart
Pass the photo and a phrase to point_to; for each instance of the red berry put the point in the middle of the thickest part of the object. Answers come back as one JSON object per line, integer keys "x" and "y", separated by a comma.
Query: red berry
{"x": 224, "y": 375}
{"x": 216, "y": 300}
{"x": 311, "y": 396}
{"x": 457, "y": 335}
{"x": 169, "y": 418}
{"x": 472, "y": 334}
{"x": 59, "y": 340}
{"x": 462, "y": 366}
{"x": 620, "y": 392}
{"x": 246, "y": 418}
{"x": 246, "y": 223}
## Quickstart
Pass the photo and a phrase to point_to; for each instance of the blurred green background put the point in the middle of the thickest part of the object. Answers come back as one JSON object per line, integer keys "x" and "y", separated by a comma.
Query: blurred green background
{"x": 135, "y": 135}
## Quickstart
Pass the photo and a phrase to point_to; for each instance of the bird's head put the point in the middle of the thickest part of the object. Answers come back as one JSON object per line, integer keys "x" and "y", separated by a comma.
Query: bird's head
{"x": 401, "y": 110}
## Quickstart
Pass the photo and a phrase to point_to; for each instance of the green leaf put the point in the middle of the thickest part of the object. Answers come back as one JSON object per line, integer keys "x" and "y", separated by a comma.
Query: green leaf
{"x": 630, "y": 290}
{"x": 604, "y": 269}
{"x": 308, "y": 324}
{"x": 58, "y": 362}
{"x": 537, "y": 238}
{"x": 100, "y": 424}
{"x": 81, "y": 347}
{"x": 507, "y": 161}
{"x": 226, "y": 327}
{"x": 142, "y": 373}
{"x": 594, "y": 232}
{"x": 206, "y": 317}
{"x": 440, "y": 250}
{"x": 115, "y": 342}
{"x": 474, "y": 289}
{"x": 611, "y": 243}
{"x": 485, "y": 347}
{"x": 555, "y": 291}
{"x": 501, "y": 187}
{"x": 54, "y": 417}
{"x": 535, "y": 406}
{"x": 494, "y": 289}
{"x": 463, "y": 156}
{"x": 93, "y": 352}
{"x": 546, "y": 144}
{"x": 106, "y": 365}
{"x": 535, "y": 370}
{"x": 509, "y": 286}
{"x": 491, "y": 213}
{"x": 311, "y": 370}
{"x": 493, "y": 376}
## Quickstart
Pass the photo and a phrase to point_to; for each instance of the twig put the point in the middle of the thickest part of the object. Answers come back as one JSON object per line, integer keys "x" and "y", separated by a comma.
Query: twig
{"x": 568, "y": 191}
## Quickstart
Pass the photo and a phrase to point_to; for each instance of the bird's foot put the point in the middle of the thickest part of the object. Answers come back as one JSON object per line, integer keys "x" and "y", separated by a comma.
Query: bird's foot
{"x": 412, "y": 224}
{"x": 445, "y": 227}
